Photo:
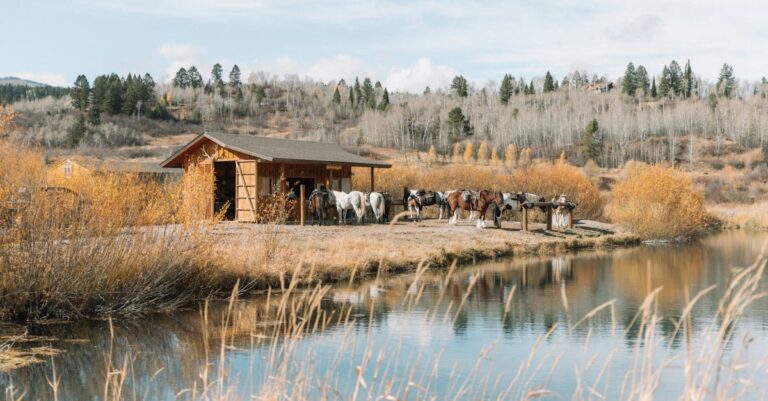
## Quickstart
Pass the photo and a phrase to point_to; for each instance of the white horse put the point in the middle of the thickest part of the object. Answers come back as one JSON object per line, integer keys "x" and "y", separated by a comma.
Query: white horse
{"x": 376, "y": 201}
{"x": 355, "y": 200}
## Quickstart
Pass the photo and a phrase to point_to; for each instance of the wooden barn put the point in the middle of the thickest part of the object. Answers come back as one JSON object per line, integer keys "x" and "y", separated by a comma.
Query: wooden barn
{"x": 248, "y": 169}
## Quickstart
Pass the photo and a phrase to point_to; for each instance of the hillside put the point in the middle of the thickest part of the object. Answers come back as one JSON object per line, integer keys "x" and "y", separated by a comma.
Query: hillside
{"x": 20, "y": 82}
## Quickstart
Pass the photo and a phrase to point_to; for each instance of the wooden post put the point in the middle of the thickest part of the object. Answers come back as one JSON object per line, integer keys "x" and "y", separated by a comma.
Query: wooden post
{"x": 525, "y": 218}
{"x": 549, "y": 217}
{"x": 301, "y": 204}
{"x": 330, "y": 180}
{"x": 570, "y": 218}
{"x": 372, "y": 182}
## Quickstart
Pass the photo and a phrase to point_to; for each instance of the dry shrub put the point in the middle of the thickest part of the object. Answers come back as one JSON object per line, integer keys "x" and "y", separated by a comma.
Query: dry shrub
{"x": 543, "y": 179}
{"x": 657, "y": 202}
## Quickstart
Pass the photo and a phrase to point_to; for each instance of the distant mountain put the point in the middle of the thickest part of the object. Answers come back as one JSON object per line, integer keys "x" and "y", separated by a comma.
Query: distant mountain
{"x": 20, "y": 82}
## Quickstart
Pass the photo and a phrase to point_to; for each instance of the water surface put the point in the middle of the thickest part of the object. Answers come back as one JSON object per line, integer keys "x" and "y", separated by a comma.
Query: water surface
{"x": 425, "y": 335}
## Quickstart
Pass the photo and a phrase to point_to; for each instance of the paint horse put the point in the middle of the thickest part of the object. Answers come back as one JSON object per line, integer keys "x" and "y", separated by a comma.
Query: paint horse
{"x": 480, "y": 201}
{"x": 417, "y": 199}
{"x": 355, "y": 200}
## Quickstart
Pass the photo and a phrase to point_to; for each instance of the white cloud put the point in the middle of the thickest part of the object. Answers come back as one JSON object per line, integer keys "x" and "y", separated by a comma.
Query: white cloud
{"x": 337, "y": 67}
{"x": 418, "y": 76}
{"x": 45, "y": 77}
{"x": 180, "y": 55}
{"x": 180, "y": 51}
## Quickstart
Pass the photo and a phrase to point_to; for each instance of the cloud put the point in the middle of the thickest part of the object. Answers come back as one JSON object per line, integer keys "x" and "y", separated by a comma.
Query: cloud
{"x": 44, "y": 77}
{"x": 643, "y": 27}
{"x": 180, "y": 51}
{"x": 180, "y": 55}
{"x": 418, "y": 76}
{"x": 337, "y": 67}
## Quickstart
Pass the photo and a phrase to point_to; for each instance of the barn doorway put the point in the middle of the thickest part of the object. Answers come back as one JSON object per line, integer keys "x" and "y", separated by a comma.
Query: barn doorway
{"x": 295, "y": 182}
{"x": 224, "y": 197}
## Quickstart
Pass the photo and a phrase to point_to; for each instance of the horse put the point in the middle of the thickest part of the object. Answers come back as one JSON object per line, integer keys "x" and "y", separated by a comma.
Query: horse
{"x": 378, "y": 204}
{"x": 479, "y": 201}
{"x": 442, "y": 203}
{"x": 319, "y": 202}
{"x": 355, "y": 200}
{"x": 561, "y": 206}
{"x": 527, "y": 198}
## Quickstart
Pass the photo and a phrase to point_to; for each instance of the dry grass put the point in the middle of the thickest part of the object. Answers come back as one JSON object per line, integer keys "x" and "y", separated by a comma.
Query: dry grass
{"x": 548, "y": 180}
{"x": 657, "y": 202}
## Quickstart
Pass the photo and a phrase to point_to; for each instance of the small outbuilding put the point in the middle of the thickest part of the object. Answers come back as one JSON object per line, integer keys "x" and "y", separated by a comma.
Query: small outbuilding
{"x": 249, "y": 169}
{"x": 65, "y": 170}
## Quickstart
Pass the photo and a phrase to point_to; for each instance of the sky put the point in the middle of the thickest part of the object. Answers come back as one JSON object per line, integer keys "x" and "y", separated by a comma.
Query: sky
{"x": 406, "y": 45}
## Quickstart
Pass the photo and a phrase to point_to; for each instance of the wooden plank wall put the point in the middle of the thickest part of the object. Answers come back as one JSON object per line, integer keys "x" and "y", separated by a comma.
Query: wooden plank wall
{"x": 246, "y": 198}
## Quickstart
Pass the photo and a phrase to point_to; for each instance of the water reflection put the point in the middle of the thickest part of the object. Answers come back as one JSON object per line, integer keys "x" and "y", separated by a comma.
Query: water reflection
{"x": 510, "y": 302}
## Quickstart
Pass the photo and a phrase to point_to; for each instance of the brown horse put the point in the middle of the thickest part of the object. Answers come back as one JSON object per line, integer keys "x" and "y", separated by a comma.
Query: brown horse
{"x": 320, "y": 206}
{"x": 479, "y": 201}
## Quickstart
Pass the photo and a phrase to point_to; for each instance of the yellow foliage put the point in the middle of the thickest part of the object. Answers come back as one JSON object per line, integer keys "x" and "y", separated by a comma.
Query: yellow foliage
{"x": 563, "y": 159}
{"x": 456, "y": 154}
{"x": 469, "y": 153}
{"x": 510, "y": 156}
{"x": 495, "y": 156}
{"x": 657, "y": 202}
{"x": 482, "y": 153}
{"x": 432, "y": 155}
{"x": 7, "y": 118}
{"x": 525, "y": 158}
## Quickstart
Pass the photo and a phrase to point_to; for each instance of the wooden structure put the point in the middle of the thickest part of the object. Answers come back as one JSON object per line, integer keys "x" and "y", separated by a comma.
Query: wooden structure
{"x": 548, "y": 208}
{"x": 249, "y": 169}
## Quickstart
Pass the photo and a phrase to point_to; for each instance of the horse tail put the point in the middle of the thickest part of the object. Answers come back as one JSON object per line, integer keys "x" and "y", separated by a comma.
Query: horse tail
{"x": 362, "y": 208}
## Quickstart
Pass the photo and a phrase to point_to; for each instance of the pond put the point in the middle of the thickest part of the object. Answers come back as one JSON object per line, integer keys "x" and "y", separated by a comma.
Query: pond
{"x": 579, "y": 326}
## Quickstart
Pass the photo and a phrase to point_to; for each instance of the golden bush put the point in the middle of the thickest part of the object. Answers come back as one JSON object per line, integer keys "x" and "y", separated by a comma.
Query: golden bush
{"x": 510, "y": 156}
{"x": 657, "y": 202}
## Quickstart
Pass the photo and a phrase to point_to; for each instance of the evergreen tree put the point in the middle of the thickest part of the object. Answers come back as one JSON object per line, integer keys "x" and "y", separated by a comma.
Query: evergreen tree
{"x": 94, "y": 115}
{"x": 591, "y": 141}
{"x": 641, "y": 80}
{"x": 459, "y": 86}
{"x": 549, "y": 83}
{"x": 665, "y": 82}
{"x": 688, "y": 80}
{"x": 675, "y": 78}
{"x": 457, "y": 124}
{"x": 351, "y": 97}
{"x": 181, "y": 80}
{"x": 358, "y": 92}
{"x": 531, "y": 88}
{"x": 427, "y": 91}
{"x": 76, "y": 133}
{"x": 505, "y": 90}
{"x": 234, "y": 77}
{"x": 628, "y": 84}
{"x": 369, "y": 95}
{"x": 384, "y": 100}
{"x": 336, "y": 96}
{"x": 195, "y": 79}
{"x": 377, "y": 86}
{"x": 217, "y": 80}
{"x": 726, "y": 83}
{"x": 80, "y": 93}
{"x": 654, "y": 93}
{"x": 99, "y": 94}
{"x": 115, "y": 95}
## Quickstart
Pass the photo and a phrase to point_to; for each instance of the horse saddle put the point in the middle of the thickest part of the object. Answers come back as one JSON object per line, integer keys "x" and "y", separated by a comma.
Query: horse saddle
{"x": 466, "y": 196}
{"x": 429, "y": 199}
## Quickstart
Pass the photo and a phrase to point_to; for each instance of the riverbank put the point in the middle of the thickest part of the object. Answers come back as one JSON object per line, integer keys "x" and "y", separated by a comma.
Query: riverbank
{"x": 314, "y": 254}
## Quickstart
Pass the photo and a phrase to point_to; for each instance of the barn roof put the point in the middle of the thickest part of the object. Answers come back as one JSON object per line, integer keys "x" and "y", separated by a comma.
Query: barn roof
{"x": 278, "y": 150}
